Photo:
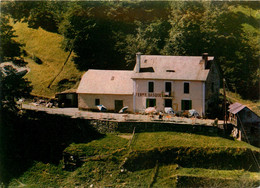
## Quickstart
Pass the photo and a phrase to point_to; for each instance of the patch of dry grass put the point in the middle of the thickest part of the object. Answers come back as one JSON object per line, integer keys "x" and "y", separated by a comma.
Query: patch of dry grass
{"x": 47, "y": 47}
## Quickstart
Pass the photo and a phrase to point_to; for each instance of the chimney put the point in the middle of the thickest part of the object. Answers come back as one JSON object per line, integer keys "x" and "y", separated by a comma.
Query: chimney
{"x": 205, "y": 58}
{"x": 138, "y": 61}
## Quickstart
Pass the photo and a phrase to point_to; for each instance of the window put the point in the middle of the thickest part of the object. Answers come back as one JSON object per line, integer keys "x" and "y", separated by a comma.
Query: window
{"x": 186, "y": 104}
{"x": 186, "y": 87}
{"x": 150, "y": 87}
{"x": 168, "y": 103}
{"x": 97, "y": 102}
{"x": 168, "y": 87}
{"x": 150, "y": 103}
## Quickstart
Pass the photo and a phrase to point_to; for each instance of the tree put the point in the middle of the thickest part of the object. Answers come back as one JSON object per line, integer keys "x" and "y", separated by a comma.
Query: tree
{"x": 215, "y": 28}
{"x": 12, "y": 85}
{"x": 9, "y": 48}
{"x": 44, "y": 14}
{"x": 91, "y": 39}
{"x": 149, "y": 38}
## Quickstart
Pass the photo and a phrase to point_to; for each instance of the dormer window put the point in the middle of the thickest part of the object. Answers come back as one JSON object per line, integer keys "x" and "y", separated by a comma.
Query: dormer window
{"x": 170, "y": 70}
{"x": 147, "y": 69}
{"x": 112, "y": 78}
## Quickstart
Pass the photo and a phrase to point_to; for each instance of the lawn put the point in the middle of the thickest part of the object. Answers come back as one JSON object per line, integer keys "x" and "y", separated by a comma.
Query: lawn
{"x": 144, "y": 141}
{"x": 106, "y": 145}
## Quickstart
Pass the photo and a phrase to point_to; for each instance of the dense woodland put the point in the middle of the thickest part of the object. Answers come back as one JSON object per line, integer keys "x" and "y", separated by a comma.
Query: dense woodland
{"x": 107, "y": 35}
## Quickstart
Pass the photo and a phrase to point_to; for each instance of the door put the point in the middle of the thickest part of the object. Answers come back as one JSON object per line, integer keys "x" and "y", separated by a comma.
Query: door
{"x": 118, "y": 105}
{"x": 168, "y": 103}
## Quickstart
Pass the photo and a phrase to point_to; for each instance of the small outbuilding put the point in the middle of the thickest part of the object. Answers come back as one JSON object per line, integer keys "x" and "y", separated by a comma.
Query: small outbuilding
{"x": 247, "y": 123}
{"x": 68, "y": 98}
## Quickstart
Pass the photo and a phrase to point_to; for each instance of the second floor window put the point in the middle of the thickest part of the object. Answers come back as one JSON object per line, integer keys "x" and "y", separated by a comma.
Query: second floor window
{"x": 186, "y": 87}
{"x": 168, "y": 87}
{"x": 150, "y": 86}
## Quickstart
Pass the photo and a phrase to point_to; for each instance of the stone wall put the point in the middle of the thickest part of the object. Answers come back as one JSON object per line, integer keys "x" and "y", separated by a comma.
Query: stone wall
{"x": 103, "y": 126}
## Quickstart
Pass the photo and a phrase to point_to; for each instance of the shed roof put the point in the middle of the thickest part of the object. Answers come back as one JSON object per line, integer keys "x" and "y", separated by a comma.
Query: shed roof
{"x": 106, "y": 82}
{"x": 69, "y": 91}
{"x": 173, "y": 68}
{"x": 236, "y": 107}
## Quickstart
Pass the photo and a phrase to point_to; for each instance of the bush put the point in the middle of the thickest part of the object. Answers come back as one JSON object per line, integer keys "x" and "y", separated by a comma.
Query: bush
{"x": 37, "y": 60}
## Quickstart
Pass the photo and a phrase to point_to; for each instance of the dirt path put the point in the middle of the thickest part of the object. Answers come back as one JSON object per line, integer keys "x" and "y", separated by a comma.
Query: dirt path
{"x": 76, "y": 113}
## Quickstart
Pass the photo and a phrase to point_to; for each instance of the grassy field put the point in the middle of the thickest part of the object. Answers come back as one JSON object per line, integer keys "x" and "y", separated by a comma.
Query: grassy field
{"x": 107, "y": 172}
{"x": 46, "y": 46}
{"x": 98, "y": 147}
{"x": 168, "y": 139}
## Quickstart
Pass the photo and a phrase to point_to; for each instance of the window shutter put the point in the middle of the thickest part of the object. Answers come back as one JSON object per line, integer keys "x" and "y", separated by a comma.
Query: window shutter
{"x": 147, "y": 103}
{"x": 190, "y": 105}
{"x": 182, "y": 104}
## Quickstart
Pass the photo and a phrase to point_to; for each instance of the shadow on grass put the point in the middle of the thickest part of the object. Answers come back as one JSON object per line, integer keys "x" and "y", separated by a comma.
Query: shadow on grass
{"x": 37, "y": 136}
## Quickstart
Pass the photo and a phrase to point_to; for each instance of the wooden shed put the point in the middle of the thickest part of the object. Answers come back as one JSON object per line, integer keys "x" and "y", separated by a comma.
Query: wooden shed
{"x": 68, "y": 98}
{"x": 247, "y": 123}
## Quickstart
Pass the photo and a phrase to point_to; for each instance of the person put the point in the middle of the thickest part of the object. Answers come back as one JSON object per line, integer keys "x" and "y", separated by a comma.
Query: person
{"x": 160, "y": 115}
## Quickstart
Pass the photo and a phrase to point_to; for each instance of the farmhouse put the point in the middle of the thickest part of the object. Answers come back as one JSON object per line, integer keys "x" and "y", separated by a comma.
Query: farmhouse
{"x": 180, "y": 82}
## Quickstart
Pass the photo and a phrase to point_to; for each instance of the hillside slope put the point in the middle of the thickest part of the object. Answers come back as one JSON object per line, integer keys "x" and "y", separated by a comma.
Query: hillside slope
{"x": 45, "y": 58}
{"x": 103, "y": 159}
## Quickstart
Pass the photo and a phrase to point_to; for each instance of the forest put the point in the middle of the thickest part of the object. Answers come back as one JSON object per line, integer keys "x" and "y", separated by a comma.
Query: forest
{"x": 107, "y": 35}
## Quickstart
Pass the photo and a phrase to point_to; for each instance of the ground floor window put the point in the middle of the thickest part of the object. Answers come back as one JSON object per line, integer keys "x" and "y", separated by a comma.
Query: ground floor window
{"x": 150, "y": 103}
{"x": 97, "y": 102}
{"x": 168, "y": 103}
{"x": 118, "y": 105}
{"x": 186, "y": 104}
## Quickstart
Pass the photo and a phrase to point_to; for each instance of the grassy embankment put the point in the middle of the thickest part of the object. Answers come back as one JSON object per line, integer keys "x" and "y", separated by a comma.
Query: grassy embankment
{"x": 46, "y": 46}
{"x": 104, "y": 159}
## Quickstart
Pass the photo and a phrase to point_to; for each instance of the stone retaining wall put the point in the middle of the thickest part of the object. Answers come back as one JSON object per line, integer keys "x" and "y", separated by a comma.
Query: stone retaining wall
{"x": 106, "y": 126}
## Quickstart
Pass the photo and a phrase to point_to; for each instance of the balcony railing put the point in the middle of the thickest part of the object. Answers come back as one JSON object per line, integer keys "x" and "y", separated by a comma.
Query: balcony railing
{"x": 168, "y": 94}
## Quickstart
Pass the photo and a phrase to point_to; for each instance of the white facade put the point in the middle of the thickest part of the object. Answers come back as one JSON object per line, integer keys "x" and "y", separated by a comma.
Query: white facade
{"x": 163, "y": 97}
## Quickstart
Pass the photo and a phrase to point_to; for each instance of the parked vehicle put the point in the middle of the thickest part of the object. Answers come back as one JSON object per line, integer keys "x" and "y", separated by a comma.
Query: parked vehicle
{"x": 169, "y": 110}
